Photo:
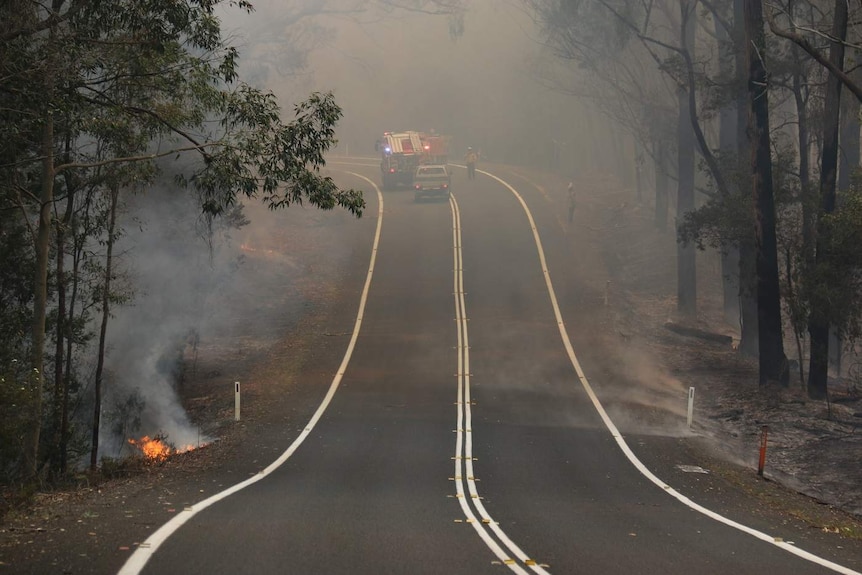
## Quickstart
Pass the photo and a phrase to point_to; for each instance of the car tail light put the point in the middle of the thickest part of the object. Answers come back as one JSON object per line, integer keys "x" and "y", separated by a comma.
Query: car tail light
{"x": 417, "y": 186}
{"x": 391, "y": 170}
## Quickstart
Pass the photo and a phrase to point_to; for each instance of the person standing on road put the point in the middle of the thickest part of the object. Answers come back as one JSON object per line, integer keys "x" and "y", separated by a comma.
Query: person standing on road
{"x": 571, "y": 195}
{"x": 471, "y": 157}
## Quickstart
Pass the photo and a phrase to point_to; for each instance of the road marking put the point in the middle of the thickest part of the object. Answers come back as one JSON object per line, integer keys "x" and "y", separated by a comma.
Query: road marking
{"x": 621, "y": 442}
{"x": 464, "y": 442}
{"x": 145, "y": 550}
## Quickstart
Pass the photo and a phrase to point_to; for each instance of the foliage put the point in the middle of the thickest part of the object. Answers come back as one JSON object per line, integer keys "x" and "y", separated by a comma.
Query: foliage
{"x": 836, "y": 283}
{"x": 16, "y": 286}
{"x": 117, "y": 86}
{"x": 12, "y": 417}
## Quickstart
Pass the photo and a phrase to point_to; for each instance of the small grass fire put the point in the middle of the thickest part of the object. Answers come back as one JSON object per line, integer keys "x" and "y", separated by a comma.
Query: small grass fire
{"x": 157, "y": 448}
{"x": 261, "y": 251}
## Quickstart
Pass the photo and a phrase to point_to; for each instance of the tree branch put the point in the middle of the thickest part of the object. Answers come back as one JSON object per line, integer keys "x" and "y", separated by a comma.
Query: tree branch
{"x": 52, "y": 20}
{"x": 803, "y": 43}
{"x": 140, "y": 158}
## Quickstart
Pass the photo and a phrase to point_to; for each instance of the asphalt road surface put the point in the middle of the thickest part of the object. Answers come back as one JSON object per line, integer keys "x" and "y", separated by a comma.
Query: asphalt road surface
{"x": 459, "y": 435}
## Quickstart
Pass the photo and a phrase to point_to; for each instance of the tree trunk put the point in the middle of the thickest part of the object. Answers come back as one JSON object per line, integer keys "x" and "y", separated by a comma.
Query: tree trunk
{"x": 61, "y": 332}
{"x": 639, "y": 160}
{"x": 728, "y": 138}
{"x": 59, "y": 349}
{"x": 65, "y": 433}
{"x": 686, "y": 254}
{"x": 818, "y": 319}
{"x": 661, "y": 200}
{"x": 773, "y": 363}
{"x": 849, "y": 139}
{"x": 40, "y": 301}
{"x": 848, "y": 164}
{"x": 103, "y": 331}
{"x": 808, "y": 217}
{"x": 748, "y": 344}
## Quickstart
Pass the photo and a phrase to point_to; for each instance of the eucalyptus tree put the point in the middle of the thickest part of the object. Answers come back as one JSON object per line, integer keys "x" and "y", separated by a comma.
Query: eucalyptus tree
{"x": 772, "y": 361}
{"x": 830, "y": 294}
{"x": 665, "y": 33}
{"x": 821, "y": 307}
{"x": 674, "y": 56}
{"x": 128, "y": 83}
{"x": 615, "y": 77}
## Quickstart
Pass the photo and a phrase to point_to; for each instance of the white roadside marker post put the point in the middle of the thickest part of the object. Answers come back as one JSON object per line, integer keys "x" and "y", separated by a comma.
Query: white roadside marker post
{"x": 690, "y": 405}
{"x": 761, "y": 463}
{"x": 236, "y": 401}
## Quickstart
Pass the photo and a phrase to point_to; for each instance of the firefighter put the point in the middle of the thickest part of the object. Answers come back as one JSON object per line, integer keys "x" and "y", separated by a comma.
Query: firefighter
{"x": 471, "y": 158}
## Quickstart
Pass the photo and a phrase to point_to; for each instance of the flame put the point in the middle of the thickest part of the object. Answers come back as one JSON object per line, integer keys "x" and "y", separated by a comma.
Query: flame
{"x": 248, "y": 248}
{"x": 156, "y": 449}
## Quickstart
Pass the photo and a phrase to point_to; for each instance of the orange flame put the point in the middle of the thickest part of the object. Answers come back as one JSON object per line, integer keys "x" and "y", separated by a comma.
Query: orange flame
{"x": 156, "y": 448}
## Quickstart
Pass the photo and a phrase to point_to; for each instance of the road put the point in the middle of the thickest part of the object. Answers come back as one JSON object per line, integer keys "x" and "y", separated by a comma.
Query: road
{"x": 460, "y": 434}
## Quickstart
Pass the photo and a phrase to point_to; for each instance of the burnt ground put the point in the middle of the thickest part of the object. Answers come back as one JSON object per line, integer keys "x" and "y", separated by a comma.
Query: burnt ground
{"x": 288, "y": 331}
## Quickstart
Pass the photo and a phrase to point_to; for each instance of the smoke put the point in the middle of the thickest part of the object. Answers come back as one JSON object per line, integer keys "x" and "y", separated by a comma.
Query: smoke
{"x": 402, "y": 70}
{"x": 645, "y": 398}
{"x": 173, "y": 283}
{"x": 396, "y": 70}
{"x": 203, "y": 308}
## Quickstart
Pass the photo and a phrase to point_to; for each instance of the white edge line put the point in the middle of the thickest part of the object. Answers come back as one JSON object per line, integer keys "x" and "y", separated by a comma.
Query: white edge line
{"x": 622, "y": 442}
{"x": 136, "y": 562}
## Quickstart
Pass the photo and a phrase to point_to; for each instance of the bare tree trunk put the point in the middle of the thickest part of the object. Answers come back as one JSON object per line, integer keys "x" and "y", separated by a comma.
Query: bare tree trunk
{"x": 848, "y": 164}
{"x": 67, "y": 373}
{"x": 639, "y": 160}
{"x": 100, "y": 361}
{"x": 686, "y": 253}
{"x": 59, "y": 349}
{"x": 800, "y": 97}
{"x": 791, "y": 293}
{"x": 661, "y": 200}
{"x": 818, "y": 320}
{"x": 808, "y": 217}
{"x": 773, "y": 363}
{"x": 748, "y": 344}
{"x": 728, "y": 138}
{"x": 59, "y": 383}
{"x": 40, "y": 303}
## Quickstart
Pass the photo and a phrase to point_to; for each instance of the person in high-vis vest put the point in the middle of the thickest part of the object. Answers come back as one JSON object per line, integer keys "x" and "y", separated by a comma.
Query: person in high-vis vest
{"x": 470, "y": 158}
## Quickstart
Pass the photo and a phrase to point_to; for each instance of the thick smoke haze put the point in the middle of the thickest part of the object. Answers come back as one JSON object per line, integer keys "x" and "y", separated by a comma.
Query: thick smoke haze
{"x": 389, "y": 70}
{"x": 176, "y": 282}
{"x": 399, "y": 70}
{"x": 204, "y": 305}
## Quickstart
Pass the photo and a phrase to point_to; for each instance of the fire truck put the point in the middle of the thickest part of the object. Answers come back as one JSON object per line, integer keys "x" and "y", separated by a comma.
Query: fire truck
{"x": 435, "y": 148}
{"x": 400, "y": 155}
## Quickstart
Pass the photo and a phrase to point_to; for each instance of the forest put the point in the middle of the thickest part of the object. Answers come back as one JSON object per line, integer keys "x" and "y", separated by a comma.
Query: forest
{"x": 747, "y": 116}
{"x": 743, "y": 119}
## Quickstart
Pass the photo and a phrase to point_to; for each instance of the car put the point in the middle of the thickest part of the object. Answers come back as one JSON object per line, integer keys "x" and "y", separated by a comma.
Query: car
{"x": 432, "y": 180}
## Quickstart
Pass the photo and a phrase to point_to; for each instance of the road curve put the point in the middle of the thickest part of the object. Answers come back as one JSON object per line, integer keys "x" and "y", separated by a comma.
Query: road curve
{"x": 464, "y": 436}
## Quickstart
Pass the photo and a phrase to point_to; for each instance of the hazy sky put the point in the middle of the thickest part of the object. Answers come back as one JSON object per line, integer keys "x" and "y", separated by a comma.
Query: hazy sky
{"x": 403, "y": 71}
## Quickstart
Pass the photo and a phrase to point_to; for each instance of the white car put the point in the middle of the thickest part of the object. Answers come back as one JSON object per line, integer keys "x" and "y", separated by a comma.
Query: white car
{"x": 432, "y": 180}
